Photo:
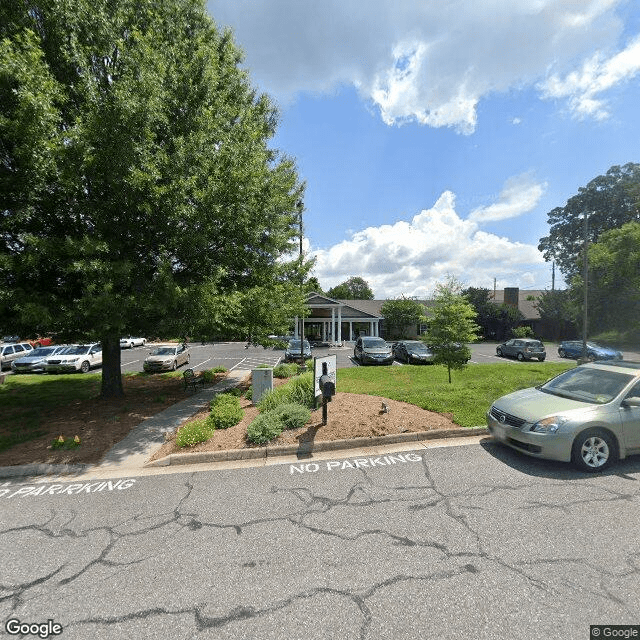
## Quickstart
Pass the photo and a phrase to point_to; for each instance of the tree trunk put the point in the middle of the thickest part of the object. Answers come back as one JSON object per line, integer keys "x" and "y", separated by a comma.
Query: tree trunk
{"x": 111, "y": 374}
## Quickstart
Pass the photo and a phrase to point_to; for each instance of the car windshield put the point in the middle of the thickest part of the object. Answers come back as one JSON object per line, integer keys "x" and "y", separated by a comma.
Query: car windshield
{"x": 595, "y": 386}
{"x": 295, "y": 344}
{"x": 418, "y": 347}
{"x": 370, "y": 343}
{"x": 77, "y": 350}
{"x": 164, "y": 351}
{"x": 42, "y": 351}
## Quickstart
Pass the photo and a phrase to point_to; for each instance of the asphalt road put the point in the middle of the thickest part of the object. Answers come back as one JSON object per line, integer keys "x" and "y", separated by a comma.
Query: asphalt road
{"x": 473, "y": 541}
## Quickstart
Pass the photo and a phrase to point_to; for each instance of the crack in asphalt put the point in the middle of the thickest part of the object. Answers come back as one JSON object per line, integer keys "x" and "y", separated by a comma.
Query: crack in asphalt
{"x": 425, "y": 500}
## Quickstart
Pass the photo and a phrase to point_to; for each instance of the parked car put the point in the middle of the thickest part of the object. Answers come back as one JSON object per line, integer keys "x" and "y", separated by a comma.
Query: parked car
{"x": 573, "y": 349}
{"x": 11, "y": 352}
{"x": 292, "y": 352}
{"x": 523, "y": 349}
{"x": 167, "y": 358}
{"x": 41, "y": 341}
{"x": 76, "y": 357}
{"x": 10, "y": 339}
{"x": 128, "y": 343}
{"x": 413, "y": 352}
{"x": 34, "y": 361}
{"x": 459, "y": 347}
{"x": 589, "y": 415}
{"x": 369, "y": 350}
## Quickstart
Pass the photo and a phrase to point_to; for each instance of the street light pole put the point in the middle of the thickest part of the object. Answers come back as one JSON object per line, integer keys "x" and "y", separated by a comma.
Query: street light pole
{"x": 300, "y": 206}
{"x": 585, "y": 275}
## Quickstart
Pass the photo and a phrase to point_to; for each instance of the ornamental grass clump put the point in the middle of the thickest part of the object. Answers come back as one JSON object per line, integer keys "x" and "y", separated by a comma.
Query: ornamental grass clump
{"x": 194, "y": 432}
{"x": 298, "y": 390}
{"x": 225, "y": 411}
{"x": 265, "y": 427}
{"x": 286, "y": 370}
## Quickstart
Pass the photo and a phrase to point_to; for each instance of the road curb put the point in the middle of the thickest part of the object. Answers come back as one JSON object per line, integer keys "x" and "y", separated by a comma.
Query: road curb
{"x": 271, "y": 451}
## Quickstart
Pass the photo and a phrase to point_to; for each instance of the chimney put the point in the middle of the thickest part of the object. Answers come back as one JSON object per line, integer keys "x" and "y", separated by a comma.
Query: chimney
{"x": 511, "y": 295}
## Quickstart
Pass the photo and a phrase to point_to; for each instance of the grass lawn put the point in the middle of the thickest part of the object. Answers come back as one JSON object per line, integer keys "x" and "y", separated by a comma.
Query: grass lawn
{"x": 469, "y": 395}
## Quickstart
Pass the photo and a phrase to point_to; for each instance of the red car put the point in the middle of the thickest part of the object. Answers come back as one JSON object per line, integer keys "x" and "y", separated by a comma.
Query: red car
{"x": 40, "y": 342}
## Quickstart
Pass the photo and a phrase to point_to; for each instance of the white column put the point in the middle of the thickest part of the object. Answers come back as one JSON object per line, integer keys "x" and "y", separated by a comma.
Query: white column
{"x": 340, "y": 325}
{"x": 350, "y": 330}
{"x": 333, "y": 325}
{"x": 371, "y": 328}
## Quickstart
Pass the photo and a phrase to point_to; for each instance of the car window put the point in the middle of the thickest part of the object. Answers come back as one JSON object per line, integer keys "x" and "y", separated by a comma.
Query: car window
{"x": 374, "y": 342}
{"x": 8, "y": 350}
{"x": 634, "y": 392}
{"x": 595, "y": 386}
{"x": 42, "y": 351}
{"x": 18, "y": 348}
{"x": 163, "y": 351}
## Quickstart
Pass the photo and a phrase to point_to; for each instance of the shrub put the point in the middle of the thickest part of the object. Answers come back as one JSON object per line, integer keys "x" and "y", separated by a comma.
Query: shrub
{"x": 194, "y": 432}
{"x": 523, "y": 332}
{"x": 249, "y": 394}
{"x": 225, "y": 411}
{"x": 219, "y": 370}
{"x": 208, "y": 375}
{"x": 298, "y": 390}
{"x": 265, "y": 427}
{"x": 292, "y": 416}
{"x": 287, "y": 370}
{"x": 233, "y": 391}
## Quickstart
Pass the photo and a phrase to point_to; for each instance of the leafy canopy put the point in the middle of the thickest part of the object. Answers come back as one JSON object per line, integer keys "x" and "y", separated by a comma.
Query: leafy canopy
{"x": 401, "y": 314}
{"x": 138, "y": 191}
{"x": 355, "y": 288}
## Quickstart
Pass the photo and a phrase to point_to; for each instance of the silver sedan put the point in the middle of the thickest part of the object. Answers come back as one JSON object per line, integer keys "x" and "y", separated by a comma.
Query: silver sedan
{"x": 589, "y": 415}
{"x": 167, "y": 358}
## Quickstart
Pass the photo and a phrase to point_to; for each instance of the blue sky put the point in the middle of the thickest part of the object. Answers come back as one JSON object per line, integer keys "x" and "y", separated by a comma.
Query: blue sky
{"x": 434, "y": 137}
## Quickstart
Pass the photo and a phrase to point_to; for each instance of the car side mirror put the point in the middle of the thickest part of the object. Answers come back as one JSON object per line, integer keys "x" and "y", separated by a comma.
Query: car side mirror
{"x": 632, "y": 401}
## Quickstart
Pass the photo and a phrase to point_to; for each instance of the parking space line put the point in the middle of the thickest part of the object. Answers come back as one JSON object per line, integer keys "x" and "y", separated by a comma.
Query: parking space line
{"x": 132, "y": 361}
{"x": 200, "y": 363}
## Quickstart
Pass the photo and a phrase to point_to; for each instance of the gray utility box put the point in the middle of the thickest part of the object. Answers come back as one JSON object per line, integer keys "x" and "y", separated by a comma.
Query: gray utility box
{"x": 261, "y": 382}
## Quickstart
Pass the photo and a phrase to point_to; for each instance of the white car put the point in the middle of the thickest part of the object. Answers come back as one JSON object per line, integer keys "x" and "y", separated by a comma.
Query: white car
{"x": 78, "y": 357}
{"x": 11, "y": 352}
{"x": 127, "y": 343}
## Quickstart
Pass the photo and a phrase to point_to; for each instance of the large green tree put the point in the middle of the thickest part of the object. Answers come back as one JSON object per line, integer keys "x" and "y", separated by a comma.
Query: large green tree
{"x": 401, "y": 313}
{"x": 451, "y": 324}
{"x": 495, "y": 321}
{"x": 135, "y": 173}
{"x": 609, "y": 201}
{"x": 355, "y": 288}
{"x": 614, "y": 281}
{"x": 559, "y": 311}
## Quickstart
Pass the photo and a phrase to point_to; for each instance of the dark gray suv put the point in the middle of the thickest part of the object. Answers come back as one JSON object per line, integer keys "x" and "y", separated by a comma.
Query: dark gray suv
{"x": 522, "y": 348}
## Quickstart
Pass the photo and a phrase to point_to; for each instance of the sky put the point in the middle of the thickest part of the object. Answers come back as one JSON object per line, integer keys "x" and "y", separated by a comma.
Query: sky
{"x": 434, "y": 137}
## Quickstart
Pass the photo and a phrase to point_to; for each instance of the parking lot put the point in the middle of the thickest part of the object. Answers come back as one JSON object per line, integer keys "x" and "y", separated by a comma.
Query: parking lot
{"x": 235, "y": 355}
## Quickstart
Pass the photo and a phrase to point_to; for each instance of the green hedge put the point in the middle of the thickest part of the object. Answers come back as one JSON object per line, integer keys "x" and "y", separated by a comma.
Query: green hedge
{"x": 286, "y": 370}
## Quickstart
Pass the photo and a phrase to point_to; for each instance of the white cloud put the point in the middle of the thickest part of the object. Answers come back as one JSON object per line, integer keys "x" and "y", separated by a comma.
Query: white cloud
{"x": 430, "y": 62}
{"x": 583, "y": 88}
{"x": 520, "y": 195}
{"x": 411, "y": 257}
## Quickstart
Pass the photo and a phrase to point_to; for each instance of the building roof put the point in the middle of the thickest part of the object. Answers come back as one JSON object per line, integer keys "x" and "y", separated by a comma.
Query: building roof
{"x": 526, "y": 301}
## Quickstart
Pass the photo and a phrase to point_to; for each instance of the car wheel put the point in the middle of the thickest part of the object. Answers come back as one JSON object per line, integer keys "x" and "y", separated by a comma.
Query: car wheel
{"x": 499, "y": 352}
{"x": 541, "y": 359}
{"x": 594, "y": 450}
{"x": 174, "y": 366}
{"x": 562, "y": 353}
{"x": 84, "y": 367}
{"x": 520, "y": 356}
